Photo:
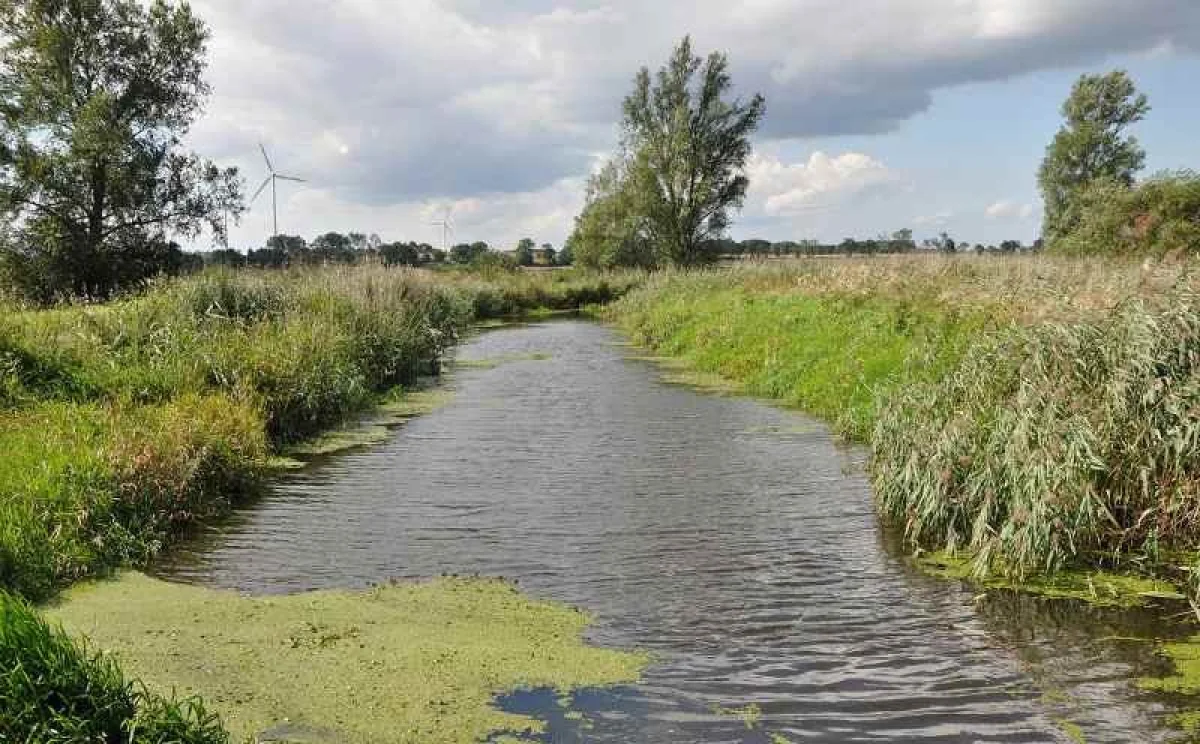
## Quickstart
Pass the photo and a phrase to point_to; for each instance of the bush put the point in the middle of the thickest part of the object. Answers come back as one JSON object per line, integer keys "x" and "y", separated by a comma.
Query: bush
{"x": 1158, "y": 217}
{"x": 55, "y": 691}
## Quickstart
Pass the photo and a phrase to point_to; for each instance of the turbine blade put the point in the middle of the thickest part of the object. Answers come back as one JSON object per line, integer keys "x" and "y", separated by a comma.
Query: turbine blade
{"x": 291, "y": 178}
{"x": 264, "y": 152}
{"x": 260, "y": 190}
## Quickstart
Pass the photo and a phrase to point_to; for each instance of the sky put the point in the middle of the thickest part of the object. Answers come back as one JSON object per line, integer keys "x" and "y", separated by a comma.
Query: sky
{"x": 881, "y": 114}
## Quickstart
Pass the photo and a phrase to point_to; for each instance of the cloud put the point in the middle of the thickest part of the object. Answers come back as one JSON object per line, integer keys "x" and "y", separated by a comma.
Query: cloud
{"x": 938, "y": 219}
{"x": 788, "y": 190}
{"x": 1008, "y": 210}
{"x": 381, "y": 103}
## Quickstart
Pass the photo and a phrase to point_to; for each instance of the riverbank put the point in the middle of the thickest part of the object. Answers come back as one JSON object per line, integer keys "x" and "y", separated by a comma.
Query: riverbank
{"x": 124, "y": 423}
{"x": 1035, "y": 414}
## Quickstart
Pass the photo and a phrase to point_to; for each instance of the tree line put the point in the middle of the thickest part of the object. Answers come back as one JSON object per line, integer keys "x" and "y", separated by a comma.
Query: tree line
{"x": 334, "y": 248}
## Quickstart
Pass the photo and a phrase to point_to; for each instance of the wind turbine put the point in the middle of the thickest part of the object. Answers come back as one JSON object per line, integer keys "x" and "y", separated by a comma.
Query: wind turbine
{"x": 447, "y": 228}
{"x": 271, "y": 179}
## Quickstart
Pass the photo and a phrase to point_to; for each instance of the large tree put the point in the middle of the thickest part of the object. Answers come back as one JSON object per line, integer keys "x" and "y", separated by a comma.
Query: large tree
{"x": 690, "y": 145}
{"x": 1092, "y": 147}
{"x": 95, "y": 99}
{"x": 666, "y": 197}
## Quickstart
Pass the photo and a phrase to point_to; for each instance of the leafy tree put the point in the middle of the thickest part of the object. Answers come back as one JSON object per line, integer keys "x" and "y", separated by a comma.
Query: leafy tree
{"x": 1159, "y": 217}
{"x": 666, "y": 196}
{"x": 95, "y": 99}
{"x": 524, "y": 252}
{"x": 1091, "y": 147}
{"x": 611, "y": 230}
{"x": 690, "y": 145}
{"x": 400, "y": 254}
{"x": 334, "y": 247}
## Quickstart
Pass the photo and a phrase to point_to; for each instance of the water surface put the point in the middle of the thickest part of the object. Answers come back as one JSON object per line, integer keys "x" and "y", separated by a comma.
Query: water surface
{"x": 734, "y": 540}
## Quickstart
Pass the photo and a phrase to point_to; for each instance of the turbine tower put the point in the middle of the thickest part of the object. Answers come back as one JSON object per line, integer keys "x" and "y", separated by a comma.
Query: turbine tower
{"x": 271, "y": 179}
{"x": 447, "y": 228}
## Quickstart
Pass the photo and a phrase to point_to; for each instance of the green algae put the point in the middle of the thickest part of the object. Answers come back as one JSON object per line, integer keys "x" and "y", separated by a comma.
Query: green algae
{"x": 498, "y": 361}
{"x": 374, "y": 427}
{"x": 1099, "y": 588}
{"x": 676, "y": 371}
{"x": 414, "y": 662}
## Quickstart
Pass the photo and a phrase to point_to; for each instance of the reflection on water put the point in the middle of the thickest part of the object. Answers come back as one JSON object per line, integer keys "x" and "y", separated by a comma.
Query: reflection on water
{"x": 734, "y": 540}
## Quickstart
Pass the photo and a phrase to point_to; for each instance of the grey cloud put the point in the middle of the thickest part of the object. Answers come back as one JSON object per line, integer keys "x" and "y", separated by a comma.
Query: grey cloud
{"x": 467, "y": 97}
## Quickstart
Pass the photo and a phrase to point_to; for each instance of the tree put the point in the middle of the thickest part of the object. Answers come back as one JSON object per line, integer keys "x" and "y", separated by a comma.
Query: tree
{"x": 524, "y": 252}
{"x": 1091, "y": 147}
{"x": 611, "y": 230}
{"x": 566, "y": 256}
{"x": 400, "y": 254}
{"x": 689, "y": 148}
{"x": 95, "y": 99}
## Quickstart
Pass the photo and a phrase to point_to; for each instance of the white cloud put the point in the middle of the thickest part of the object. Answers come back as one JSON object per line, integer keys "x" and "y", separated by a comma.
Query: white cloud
{"x": 823, "y": 181}
{"x": 1008, "y": 210}
{"x": 938, "y": 219}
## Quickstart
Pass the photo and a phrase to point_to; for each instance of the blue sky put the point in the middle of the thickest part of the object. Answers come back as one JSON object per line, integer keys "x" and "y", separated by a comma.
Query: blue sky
{"x": 981, "y": 144}
{"x": 882, "y": 114}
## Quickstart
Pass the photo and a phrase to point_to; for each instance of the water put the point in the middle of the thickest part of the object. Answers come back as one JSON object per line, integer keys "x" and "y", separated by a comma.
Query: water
{"x": 735, "y": 541}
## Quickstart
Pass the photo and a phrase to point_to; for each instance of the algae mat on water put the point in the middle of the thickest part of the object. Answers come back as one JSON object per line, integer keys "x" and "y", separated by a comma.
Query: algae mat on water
{"x": 411, "y": 662}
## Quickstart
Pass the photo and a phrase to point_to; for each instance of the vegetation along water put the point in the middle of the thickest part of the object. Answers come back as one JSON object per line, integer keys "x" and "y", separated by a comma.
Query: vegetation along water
{"x": 178, "y": 426}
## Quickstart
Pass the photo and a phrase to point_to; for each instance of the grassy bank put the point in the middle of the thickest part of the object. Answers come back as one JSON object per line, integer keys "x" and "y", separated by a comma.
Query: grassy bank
{"x": 1031, "y": 413}
{"x": 54, "y": 689}
{"x": 121, "y": 424}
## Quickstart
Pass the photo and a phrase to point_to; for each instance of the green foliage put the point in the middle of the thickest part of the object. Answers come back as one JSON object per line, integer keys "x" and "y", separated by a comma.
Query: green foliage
{"x": 666, "y": 196}
{"x": 1158, "y": 217}
{"x": 1053, "y": 444}
{"x": 55, "y": 691}
{"x": 1091, "y": 147}
{"x": 95, "y": 99}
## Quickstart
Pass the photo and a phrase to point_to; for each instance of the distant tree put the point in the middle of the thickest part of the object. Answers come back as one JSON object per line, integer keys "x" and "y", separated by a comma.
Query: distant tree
{"x": 400, "y": 254}
{"x": 293, "y": 249}
{"x": 566, "y": 256}
{"x": 546, "y": 255}
{"x": 333, "y": 247}
{"x": 1010, "y": 246}
{"x": 1091, "y": 147}
{"x": 226, "y": 257}
{"x": 523, "y": 255}
{"x": 96, "y": 97}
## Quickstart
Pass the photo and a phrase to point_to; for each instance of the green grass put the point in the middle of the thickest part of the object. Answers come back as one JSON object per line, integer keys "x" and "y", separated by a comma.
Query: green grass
{"x": 839, "y": 356}
{"x": 54, "y": 690}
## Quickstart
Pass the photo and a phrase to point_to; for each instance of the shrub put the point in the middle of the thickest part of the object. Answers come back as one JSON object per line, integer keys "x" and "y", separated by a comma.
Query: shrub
{"x": 1158, "y": 217}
